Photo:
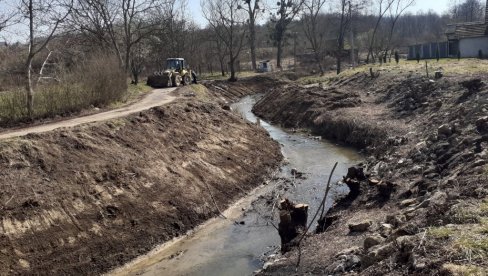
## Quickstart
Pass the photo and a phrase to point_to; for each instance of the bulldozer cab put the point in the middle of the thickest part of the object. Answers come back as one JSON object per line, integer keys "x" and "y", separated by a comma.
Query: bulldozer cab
{"x": 177, "y": 64}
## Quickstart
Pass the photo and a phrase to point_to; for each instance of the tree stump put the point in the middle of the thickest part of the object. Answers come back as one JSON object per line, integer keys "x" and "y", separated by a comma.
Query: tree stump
{"x": 293, "y": 221}
{"x": 438, "y": 75}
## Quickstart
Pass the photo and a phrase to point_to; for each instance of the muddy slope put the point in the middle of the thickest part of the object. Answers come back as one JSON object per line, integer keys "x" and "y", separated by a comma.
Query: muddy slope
{"x": 87, "y": 199}
{"x": 320, "y": 109}
{"x": 233, "y": 91}
{"x": 422, "y": 205}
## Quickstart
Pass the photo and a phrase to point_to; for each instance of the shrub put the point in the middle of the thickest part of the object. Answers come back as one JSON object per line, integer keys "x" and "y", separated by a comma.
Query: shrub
{"x": 97, "y": 82}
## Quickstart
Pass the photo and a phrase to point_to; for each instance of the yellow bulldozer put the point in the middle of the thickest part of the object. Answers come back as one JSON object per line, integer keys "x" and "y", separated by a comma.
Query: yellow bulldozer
{"x": 176, "y": 73}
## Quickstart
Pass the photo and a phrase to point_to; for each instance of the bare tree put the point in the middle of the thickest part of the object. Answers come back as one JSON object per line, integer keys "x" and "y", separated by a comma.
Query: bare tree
{"x": 98, "y": 19}
{"x": 314, "y": 33}
{"x": 221, "y": 52}
{"x": 118, "y": 24}
{"x": 171, "y": 36}
{"x": 253, "y": 8}
{"x": 287, "y": 10}
{"x": 136, "y": 18}
{"x": 396, "y": 11}
{"x": 467, "y": 11}
{"x": 44, "y": 19}
{"x": 6, "y": 16}
{"x": 227, "y": 21}
{"x": 344, "y": 15}
{"x": 383, "y": 7}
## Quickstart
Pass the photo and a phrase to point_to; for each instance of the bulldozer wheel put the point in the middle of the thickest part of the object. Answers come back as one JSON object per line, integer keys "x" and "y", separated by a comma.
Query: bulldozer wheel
{"x": 175, "y": 81}
{"x": 186, "y": 80}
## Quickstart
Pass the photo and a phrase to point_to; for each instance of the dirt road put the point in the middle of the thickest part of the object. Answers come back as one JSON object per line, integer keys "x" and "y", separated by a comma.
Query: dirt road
{"x": 157, "y": 97}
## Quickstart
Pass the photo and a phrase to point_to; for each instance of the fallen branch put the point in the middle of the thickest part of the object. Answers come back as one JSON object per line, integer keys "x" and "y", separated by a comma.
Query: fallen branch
{"x": 214, "y": 202}
{"x": 321, "y": 207}
{"x": 327, "y": 189}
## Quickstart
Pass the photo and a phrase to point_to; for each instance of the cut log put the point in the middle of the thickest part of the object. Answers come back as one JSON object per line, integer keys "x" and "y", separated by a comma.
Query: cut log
{"x": 293, "y": 221}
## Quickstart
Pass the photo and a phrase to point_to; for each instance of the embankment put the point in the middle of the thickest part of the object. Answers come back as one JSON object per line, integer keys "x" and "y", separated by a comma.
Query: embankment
{"x": 90, "y": 198}
{"x": 422, "y": 202}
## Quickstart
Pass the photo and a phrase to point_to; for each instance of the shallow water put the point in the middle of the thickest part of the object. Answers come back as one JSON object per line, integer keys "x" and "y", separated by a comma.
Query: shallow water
{"x": 222, "y": 247}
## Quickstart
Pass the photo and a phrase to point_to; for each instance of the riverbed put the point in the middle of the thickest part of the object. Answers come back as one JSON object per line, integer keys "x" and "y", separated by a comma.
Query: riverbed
{"x": 240, "y": 243}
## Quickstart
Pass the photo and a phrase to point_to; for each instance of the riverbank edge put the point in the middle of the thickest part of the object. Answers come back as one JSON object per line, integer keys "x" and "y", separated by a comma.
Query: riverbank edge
{"x": 408, "y": 192}
{"x": 123, "y": 209}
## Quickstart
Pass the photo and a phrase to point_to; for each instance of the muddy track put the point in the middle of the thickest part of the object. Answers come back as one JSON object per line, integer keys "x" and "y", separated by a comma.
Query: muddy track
{"x": 157, "y": 97}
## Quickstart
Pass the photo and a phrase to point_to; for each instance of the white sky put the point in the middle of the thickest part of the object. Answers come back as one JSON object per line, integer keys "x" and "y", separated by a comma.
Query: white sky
{"x": 194, "y": 10}
{"x": 439, "y": 6}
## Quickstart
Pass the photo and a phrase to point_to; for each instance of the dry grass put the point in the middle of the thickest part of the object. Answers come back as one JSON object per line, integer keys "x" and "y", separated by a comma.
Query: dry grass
{"x": 447, "y": 66}
{"x": 465, "y": 270}
{"x": 467, "y": 240}
{"x": 218, "y": 76}
{"x": 441, "y": 232}
{"x": 96, "y": 83}
{"x": 201, "y": 92}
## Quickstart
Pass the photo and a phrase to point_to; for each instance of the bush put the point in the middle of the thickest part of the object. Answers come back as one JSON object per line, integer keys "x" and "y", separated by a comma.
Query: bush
{"x": 98, "y": 82}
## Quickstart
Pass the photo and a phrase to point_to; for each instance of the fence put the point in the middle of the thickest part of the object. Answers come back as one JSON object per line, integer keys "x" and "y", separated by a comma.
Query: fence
{"x": 429, "y": 50}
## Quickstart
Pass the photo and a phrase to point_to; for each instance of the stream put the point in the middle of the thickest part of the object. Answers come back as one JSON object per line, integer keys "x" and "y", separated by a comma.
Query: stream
{"x": 240, "y": 244}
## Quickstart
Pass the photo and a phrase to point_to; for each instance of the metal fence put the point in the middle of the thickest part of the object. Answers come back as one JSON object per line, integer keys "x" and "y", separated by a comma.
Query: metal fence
{"x": 429, "y": 50}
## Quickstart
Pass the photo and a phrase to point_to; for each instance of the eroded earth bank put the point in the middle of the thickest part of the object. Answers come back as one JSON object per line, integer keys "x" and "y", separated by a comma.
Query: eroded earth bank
{"x": 419, "y": 204}
{"x": 91, "y": 198}
{"x": 87, "y": 199}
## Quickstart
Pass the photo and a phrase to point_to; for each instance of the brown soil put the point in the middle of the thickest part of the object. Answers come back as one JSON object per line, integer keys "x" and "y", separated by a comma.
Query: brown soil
{"x": 426, "y": 142}
{"x": 90, "y": 198}
{"x": 232, "y": 91}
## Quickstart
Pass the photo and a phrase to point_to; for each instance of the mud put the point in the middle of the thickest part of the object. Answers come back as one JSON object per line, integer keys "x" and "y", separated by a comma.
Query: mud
{"x": 246, "y": 238}
{"x": 86, "y": 199}
{"x": 427, "y": 148}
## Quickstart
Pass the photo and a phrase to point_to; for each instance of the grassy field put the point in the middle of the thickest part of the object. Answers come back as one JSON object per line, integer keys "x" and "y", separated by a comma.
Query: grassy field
{"x": 218, "y": 76}
{"x": 447, "y": 66}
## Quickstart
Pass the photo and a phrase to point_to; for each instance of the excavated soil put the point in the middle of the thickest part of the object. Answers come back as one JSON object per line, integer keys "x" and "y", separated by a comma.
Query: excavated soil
{"x": 422, "y": 202}
{"x": 90, "y": 198}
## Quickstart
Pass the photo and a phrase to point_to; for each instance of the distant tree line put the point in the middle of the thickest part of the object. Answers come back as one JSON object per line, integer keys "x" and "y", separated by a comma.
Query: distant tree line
{"x": 141, "y": 34}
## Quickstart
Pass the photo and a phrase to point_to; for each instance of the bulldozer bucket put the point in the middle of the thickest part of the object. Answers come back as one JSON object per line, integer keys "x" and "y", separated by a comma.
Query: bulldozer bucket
{"x": 160, "y": 81}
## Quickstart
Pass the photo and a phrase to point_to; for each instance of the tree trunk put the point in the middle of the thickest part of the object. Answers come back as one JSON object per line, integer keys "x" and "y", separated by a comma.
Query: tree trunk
{"x": 222, "y": 69}
{"x": 135, "y": 76}
{"x": 340, "y": 39}
{"x": 127, "y": 60}
{"x": 339, "y": 64}
{"x": 279, "y": 53}
{"x": 252, "y": 42}
{"x": 29, "y": 88}
{"x": 232, "y": 71}
{"x": 319, "y": 63}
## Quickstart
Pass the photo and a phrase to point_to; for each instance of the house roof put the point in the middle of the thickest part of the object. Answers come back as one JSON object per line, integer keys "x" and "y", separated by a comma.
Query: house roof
{"x": 466, "y": 30}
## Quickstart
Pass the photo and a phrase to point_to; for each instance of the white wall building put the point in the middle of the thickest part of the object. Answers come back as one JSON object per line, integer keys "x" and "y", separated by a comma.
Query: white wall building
{"x": 468, "y": 38}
